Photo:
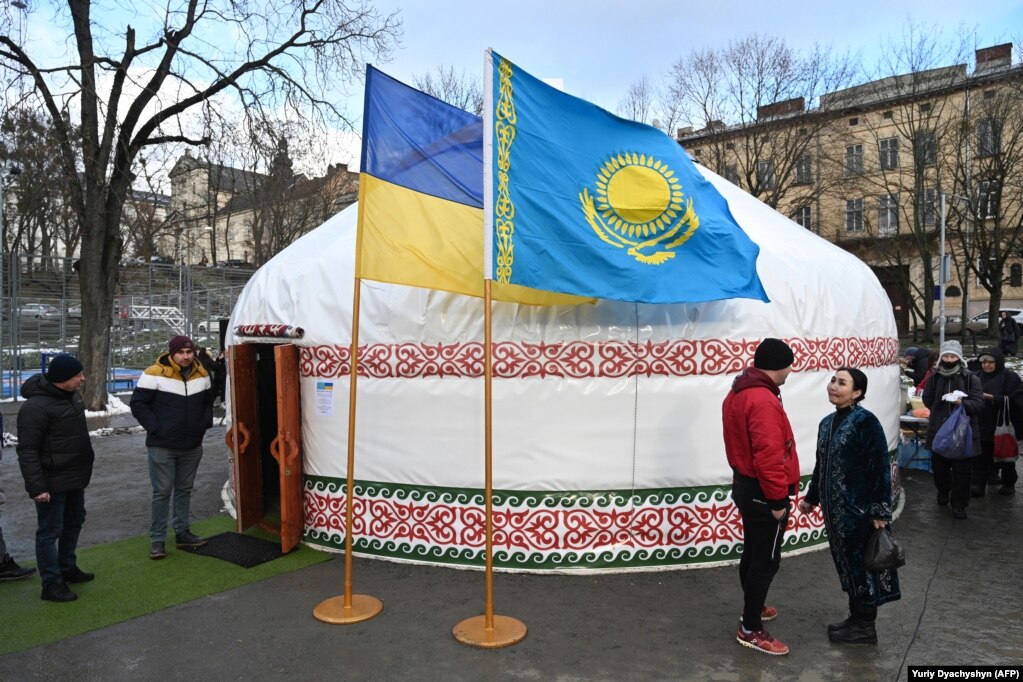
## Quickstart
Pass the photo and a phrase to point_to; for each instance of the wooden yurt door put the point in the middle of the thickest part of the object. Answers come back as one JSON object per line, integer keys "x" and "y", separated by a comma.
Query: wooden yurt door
{"x": 243, "y": 436}
{"x": 287, "y": 446}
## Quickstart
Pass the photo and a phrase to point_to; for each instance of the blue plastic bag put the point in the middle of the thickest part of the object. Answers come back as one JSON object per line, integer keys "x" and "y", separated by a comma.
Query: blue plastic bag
{"x": 954, "y": 440}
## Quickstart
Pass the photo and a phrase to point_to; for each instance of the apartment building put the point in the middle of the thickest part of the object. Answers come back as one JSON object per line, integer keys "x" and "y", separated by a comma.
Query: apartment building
{"x": 868, "y": 168}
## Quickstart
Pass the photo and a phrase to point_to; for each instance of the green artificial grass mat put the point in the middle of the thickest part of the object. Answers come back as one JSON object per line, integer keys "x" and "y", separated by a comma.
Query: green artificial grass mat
{"x": 129, "y": 584}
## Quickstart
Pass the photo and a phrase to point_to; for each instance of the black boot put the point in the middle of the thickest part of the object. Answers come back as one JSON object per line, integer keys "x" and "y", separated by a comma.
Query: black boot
{"x": 835, "y": 627}
{"x": 858, "y": 632}
{"x": 10, "y": 570}
{"x": 58, "y": 591}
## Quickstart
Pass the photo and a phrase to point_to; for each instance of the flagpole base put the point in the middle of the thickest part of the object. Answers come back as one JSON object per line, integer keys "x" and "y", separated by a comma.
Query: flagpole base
{"x": 333, "y": 610}
{"x": 474, "y": 632}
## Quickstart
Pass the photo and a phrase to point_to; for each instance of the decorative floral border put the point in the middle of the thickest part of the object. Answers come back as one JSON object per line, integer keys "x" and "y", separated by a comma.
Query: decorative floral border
{"x": 533, "y": 530}
{"x": 582, "y": 359}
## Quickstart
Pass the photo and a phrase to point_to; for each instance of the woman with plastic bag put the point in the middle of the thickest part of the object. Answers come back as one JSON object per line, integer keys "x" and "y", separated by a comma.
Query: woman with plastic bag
{"x": 949, "y": 387}
{"x": 852, "y": 483}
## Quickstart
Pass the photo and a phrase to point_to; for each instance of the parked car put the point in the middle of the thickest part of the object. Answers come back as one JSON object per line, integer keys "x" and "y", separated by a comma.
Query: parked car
{"x": 40, "y": 311}
{"x": 75, "y": 310}
{"x": 979, "y": 322}
{"x": 233, "y": 263}
{"x": 162, "y": 260}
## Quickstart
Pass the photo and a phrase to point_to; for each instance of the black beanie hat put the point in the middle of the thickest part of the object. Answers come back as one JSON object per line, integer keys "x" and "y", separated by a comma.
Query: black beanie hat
{"x": 63, "y": 367}
{"x": 773, "y": 354}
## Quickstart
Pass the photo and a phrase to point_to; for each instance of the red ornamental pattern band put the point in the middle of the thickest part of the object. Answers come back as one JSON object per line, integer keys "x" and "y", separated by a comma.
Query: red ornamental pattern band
{"x": 698, "y": 524}
{"x": 583, "y": 360}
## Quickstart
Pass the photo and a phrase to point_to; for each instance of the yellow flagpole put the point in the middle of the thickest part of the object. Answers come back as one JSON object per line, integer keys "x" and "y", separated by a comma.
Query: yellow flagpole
{"x": 351, "y": 608}
{"x": 489, "y": 631}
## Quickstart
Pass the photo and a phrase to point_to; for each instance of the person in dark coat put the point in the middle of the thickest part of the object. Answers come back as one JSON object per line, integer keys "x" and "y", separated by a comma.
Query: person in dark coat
{"x": 952, "y": 476}
{"x": 852, "y": 483}
{"x": 997, "y": 384}
{"x": 1008, "y": 334}
{"x": 56, "y": 456}
{"x": 173, "y": 401}
{"x": 917, "y": 362}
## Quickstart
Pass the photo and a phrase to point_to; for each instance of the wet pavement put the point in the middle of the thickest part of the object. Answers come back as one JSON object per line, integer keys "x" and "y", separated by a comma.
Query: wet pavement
{"x": 962, "y": 604}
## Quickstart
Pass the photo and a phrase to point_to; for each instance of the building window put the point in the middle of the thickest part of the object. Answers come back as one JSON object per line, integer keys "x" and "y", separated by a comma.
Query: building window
{"x": 990, "y": 94}
{"x": 765, "y": 174}
{"x": 887, "y": 114}
{"x": 729, "y": 146}
{"x": 854, "y": 159}
{"x": 696, "y": 153}
{"x": 888, "y": 214}
{"x": 988, "y": 193}
{"x": 925, "y": 148}
{"x": 804, "y": 170}
{"x": 854, "y": 215}
{"x": 889, "y": 149}
{"x": 925, "y": 108}
{"x": 804, "y": 216}
{"x": 732, "y": 173}
{"x": 989, "y": 137}
{"x": 1016, "y": 275}
{"x": 928, "y": 207}
{"x": 854, "y": 121}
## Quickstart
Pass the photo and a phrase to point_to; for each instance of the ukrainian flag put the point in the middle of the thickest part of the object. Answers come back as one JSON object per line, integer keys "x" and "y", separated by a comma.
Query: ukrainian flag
{"x": 421, "y": 195}
{"x": 587, "y": 203}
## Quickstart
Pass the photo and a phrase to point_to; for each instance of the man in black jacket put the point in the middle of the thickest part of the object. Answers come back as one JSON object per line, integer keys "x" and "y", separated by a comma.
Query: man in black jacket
{"x": 173, "y": 401}
{"x": 56, "y": 456}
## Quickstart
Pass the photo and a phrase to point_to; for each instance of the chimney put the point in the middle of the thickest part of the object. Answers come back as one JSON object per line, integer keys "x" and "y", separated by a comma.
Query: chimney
{"x": 992, "y": 58}
{"x": 787, "y": 106}
{"x": 682, "y": 132}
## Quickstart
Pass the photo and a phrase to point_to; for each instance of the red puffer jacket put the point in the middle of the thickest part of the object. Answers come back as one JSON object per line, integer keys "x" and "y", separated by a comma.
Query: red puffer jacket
{"x": 758, "y": 437}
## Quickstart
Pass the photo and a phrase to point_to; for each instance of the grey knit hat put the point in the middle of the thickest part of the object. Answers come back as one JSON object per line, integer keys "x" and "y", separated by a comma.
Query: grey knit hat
{"x": 953, "y": 347}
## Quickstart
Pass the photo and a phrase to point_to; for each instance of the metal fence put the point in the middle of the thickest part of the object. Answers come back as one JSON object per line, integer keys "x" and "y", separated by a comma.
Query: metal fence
{"x": 40, "y": 314}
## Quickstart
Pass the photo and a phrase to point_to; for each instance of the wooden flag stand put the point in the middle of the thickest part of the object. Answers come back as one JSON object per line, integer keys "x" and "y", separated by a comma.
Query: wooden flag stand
{"x": 350, "y": 608}
{"x": 489, "y": 631}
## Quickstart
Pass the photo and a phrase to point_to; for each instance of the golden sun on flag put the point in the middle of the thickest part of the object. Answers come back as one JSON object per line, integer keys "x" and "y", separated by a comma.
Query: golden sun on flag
{"x": 638, "y": 195}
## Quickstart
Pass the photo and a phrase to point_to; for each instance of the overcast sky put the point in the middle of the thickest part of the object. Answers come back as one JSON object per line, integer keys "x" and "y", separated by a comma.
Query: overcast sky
{"x": 598, "y": 48}
{"x": 601, "y": 47}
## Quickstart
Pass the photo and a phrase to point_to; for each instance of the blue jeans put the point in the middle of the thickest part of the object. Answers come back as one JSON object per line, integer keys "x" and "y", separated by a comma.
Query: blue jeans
{"x": 60, "y": 524}
{"x": 171, "y": 471}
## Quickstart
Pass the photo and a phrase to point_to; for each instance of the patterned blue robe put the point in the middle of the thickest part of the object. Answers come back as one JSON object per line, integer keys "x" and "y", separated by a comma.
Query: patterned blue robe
{"x": 852, "y": 481}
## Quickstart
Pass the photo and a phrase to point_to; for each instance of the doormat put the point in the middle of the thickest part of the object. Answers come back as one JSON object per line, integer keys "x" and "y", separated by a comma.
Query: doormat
{"x": 243, "y": 550}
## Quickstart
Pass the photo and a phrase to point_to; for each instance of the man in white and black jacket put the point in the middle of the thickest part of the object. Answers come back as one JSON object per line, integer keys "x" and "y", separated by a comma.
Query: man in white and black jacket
{"x": 173, "y": 401}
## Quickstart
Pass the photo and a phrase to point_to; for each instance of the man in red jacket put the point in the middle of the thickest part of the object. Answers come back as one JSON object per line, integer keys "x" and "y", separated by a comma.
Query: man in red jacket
{"x": 762, "y": 453}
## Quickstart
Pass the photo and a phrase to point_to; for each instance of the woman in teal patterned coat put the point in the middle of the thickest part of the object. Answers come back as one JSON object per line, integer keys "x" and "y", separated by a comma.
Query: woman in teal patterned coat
{"x": 852, "y": 482}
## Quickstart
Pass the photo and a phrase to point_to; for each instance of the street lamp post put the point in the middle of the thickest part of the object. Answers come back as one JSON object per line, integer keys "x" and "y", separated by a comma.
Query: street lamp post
{"x": 943, "y": 270}
{"x": 13, "y": 170}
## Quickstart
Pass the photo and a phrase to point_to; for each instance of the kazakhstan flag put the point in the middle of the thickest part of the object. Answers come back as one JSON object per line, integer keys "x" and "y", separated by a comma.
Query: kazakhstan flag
{"x": 580, "y": 201}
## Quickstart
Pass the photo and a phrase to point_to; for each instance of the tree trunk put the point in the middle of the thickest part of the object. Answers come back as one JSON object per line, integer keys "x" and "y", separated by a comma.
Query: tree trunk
{"x": 98, "y": 277}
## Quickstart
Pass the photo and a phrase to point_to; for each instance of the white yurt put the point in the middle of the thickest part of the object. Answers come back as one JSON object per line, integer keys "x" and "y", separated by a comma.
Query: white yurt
{"x": 607, "y": 443}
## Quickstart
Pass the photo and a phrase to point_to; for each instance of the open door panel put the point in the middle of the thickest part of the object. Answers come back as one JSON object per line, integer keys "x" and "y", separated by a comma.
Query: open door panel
{"x": 243, "y": 437}
{"x": 287, "y": 446}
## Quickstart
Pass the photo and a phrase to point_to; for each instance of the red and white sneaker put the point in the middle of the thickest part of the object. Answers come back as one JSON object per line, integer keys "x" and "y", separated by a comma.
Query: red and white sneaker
{"x": 761, "y": 640}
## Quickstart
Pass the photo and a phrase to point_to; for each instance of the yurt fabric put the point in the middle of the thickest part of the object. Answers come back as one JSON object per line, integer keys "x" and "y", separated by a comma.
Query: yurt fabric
{"x": 608, "y": 451}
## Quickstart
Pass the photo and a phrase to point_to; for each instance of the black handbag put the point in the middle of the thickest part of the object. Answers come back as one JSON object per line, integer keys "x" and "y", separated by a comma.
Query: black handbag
{"x": 883, "y": 551}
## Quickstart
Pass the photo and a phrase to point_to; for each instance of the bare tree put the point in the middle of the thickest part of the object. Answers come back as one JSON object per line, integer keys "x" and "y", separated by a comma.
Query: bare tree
{"x": 898, "y": 160}
{"x": 129, "y": 91}
{"x": 638, "y": 102}
{"x": 455, "y": 89}
{"x": 986, "y": 206}
{"x": 40, "y": 221}
{"x": 754, "y": 104}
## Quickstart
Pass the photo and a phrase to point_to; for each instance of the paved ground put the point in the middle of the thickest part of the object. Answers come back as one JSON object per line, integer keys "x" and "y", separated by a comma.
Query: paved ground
{"x": 962, "y": 604}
